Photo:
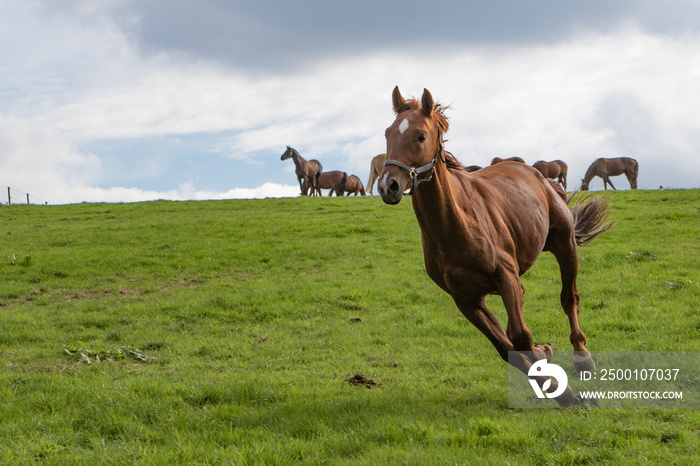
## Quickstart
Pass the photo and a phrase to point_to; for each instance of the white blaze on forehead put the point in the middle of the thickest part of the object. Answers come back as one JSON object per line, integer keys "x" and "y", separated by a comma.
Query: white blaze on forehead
{"x": 403, "y": 126}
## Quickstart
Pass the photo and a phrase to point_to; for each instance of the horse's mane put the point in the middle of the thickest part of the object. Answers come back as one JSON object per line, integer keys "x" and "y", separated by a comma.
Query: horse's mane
{"x": 452, "y": 162}
{"x": 444, "y": 125}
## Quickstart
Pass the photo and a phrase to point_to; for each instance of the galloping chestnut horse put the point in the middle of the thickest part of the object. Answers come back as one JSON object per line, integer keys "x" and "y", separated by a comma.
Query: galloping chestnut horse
{"x": 606, "y": 168}
{"x": 308, "y": 172}
{"x": 555, "y": 170}
{"x": 481, "y": 230}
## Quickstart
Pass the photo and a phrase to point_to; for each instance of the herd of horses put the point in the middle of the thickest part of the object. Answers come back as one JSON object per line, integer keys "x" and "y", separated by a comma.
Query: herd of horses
{"x": 312, "y": 179}
{"x": 556, "y": 170}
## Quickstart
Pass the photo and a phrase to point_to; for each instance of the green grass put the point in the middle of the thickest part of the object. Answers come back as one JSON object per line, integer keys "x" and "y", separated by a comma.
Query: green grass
{"x": 249, "y": 310}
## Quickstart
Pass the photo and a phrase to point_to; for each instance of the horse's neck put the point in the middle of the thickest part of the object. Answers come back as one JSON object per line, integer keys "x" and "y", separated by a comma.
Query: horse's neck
{"x": 590, "y": 174}
{"x": 298, "y": 160}
{"x": 437, "y": 202}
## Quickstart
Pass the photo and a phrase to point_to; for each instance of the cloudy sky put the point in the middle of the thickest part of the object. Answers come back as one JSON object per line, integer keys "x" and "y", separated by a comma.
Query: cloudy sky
{"x": 131, "y": 100}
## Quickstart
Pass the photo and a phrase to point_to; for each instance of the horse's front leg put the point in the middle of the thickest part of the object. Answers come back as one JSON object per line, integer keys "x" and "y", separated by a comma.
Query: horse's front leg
{"x": 607, "y": 180}
{"x": 512, "y": 293}
{"x": 483, "y": 319}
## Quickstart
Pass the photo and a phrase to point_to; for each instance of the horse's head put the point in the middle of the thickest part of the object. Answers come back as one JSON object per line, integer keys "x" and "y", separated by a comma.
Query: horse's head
{"x": 288, "y": 153}
{"x": 413, "y": 143}
{"x": 584, "y": 185}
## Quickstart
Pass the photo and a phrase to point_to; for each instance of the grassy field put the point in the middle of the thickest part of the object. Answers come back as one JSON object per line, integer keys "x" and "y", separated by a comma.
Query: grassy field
{"x": 225, "y": 332}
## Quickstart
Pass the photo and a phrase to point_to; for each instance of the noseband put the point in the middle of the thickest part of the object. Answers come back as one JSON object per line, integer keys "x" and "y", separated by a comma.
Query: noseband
{"x": 414, "y": 172}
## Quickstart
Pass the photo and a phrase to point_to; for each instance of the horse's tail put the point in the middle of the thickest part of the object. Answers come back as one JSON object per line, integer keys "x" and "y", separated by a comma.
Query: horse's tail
{"x": 590, "y": 218}
{"x": 341, "y": 187}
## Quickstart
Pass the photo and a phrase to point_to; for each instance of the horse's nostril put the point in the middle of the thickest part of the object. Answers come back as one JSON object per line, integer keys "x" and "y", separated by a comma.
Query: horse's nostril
{"x": 393, "y": 186}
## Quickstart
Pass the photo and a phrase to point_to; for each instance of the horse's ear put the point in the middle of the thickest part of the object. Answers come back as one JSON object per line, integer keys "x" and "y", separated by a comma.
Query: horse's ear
{"x": 399, "y": 102}
{"x": 427, "y": 103}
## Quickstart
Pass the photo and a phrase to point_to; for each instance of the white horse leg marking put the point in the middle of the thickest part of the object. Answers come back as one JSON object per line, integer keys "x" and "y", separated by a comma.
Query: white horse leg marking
{"x": 403, "y": 126}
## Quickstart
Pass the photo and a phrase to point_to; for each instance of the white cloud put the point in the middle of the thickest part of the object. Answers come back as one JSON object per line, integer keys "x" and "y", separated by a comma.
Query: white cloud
{"x": 39, "y": 160}
{"x": 79, "y": 194}
{"x": 261, "y": 192}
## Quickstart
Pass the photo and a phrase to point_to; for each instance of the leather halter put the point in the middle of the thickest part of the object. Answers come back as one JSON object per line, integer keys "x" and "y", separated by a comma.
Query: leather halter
{"x": 414, "y": 172}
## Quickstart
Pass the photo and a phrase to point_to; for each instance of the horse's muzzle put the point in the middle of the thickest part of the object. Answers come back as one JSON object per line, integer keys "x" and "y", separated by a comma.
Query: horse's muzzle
{"x": 391, "y": 189}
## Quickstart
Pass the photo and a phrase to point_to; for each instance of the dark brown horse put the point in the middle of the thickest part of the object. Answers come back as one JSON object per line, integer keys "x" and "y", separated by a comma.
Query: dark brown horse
{"x": 605, "y": 168}
{"x": 481, "y": 230}
{"x": 350, "y": 185}
{"x": 375, "y": 169}
{"x": 496, "y": 160}
{"x": 328, "y": 180}
{"x": 308, "y": 172}
{"x": 554, "y": 170}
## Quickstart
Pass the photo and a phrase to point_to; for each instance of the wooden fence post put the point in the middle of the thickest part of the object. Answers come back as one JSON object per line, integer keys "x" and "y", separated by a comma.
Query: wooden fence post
{"x": 9, "y": 198}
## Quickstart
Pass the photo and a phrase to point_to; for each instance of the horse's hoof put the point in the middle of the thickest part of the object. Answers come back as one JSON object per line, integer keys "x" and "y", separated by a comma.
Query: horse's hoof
{"x": 583, "y": 362}
{"x": 567, "y": 398}
{"x": 548, "y": 349}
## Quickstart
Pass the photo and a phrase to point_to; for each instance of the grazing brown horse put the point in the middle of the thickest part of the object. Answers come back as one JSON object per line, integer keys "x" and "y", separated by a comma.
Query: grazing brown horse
{"x": 308, "y": 172}
{"x": 328, "y": 180}
{"x": 481, "y": 230}
{"x": 375, "y": 169}
{"x": 351, "y": 185}
{"x": 496, "y": 160}
{"x": 555, "y": 170}
{"x": 606, "y": 168}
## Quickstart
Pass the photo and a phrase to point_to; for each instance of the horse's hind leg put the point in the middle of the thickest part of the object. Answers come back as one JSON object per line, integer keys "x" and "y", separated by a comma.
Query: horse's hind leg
{"x": 314, "y": 182}
{"x": 372, "y": 178}
{"x": 567, "y": 258}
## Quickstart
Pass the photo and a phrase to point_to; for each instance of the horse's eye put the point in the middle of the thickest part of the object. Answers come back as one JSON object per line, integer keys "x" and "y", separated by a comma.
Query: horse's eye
{"x": 422, "y": 137}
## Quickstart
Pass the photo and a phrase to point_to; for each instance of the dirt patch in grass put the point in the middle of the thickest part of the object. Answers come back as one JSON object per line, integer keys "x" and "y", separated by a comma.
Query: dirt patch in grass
{"x": 359, "y": 379}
